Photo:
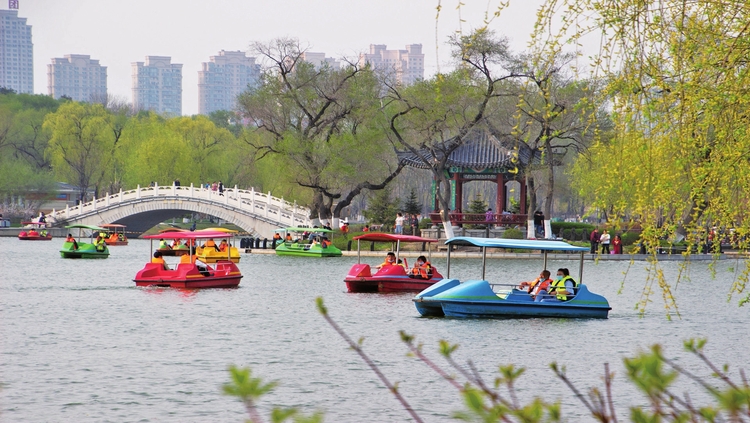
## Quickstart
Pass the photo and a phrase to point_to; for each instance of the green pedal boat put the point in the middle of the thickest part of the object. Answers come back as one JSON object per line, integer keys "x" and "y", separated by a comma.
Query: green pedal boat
{"x": 75, "y": 248}
{"x": 306, "y": 242}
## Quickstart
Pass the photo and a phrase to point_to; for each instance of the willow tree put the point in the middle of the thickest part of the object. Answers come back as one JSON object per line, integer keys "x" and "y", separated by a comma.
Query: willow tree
{"x": 676, "y": 76}
{"x": 319, "y": 120}
{"x": 82, "y": 145}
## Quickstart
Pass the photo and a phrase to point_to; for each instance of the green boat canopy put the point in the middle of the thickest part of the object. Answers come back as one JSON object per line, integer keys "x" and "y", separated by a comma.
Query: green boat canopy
{"x": 92, "y": 227}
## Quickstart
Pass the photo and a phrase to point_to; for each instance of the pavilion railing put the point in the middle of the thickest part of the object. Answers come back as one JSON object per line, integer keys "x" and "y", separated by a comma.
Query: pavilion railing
{"x": 483, "y": 219}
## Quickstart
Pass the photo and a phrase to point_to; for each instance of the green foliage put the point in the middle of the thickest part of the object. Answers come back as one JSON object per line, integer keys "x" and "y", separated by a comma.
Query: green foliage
{"x": 513, "y": 233}
{"x": 381, "y": 209}
{"x": 629, "y": 238}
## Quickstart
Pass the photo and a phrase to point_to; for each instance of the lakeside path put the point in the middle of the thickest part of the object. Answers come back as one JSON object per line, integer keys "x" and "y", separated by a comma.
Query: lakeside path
{"x": 535, "y": 256}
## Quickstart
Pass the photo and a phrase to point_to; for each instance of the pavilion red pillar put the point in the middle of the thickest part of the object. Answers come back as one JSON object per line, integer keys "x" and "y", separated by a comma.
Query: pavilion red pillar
{"x": 459, "y": 199}
{"x": 523, "y": 196}
{"x": 500, "y": 203}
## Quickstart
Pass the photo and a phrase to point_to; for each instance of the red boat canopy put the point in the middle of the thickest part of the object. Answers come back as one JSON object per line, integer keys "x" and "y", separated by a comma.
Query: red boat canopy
{"x": 112, "y": 225}
{"x": 189, "y": 235}
{"x": 383, "y": 237}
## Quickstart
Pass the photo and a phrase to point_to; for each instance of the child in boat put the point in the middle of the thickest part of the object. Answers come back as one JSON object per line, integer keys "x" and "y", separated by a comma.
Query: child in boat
{"x": 223, "y": 245}
{"x": 73, "y": 240}
{"x": 99, "y": 244}
{"x": 538, "y": 286}
{"x": 390, "y": 260}
{"x": 422, "y": 269}
{"x": 163, "y": 245}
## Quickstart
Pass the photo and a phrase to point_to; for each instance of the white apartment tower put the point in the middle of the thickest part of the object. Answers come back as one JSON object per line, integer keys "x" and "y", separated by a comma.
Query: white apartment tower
{"x": 406, "y": 66}
{"x": 157, "y": 85}
{"x": 16, "y": 53}
{"x": 78, "y": 77}
{"x": 224, "y": 78}
{"x": 318, "y": 60}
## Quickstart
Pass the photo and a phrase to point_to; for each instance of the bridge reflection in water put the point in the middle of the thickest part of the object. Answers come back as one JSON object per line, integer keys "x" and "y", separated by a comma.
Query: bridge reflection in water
{"x": 144, "y": 207}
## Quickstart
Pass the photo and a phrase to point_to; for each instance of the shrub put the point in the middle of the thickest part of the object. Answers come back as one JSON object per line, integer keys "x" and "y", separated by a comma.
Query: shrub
{"x": 567, "y": 234}
{"x": 513, "y": 233}
{"x": 629, "y": 238}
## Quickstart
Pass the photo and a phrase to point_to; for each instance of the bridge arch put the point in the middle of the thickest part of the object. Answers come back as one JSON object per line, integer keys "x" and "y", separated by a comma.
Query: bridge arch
{"x": 143, "y": 208}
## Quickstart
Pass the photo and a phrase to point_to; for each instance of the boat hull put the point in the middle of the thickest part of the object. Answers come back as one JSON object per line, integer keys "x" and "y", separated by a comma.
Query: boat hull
{"x": 84, "y": 251}
{"x": 476, "y": 299}
{"x": 387, "y": 279}
{"x": 168, "y": 252}
{"x": 115, "y": 242}
{"x": 211, "y": 255}
{"x": 223, "y": 275}
{"x": 306, "y": 250}
{"x": 35, "y": 238}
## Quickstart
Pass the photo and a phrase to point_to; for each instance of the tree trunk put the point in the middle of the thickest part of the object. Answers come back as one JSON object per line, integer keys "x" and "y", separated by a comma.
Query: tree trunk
{"x": 444, "y": 200}
{"x": 550, "y": 188}
{"x": 531, "y": 193}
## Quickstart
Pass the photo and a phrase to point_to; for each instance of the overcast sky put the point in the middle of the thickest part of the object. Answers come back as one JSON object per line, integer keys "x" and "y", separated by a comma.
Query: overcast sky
{"x": 120, "y": 32}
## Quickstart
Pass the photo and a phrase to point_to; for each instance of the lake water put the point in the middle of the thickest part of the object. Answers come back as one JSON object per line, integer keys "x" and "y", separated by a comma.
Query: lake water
{"x": 79, "y": 342}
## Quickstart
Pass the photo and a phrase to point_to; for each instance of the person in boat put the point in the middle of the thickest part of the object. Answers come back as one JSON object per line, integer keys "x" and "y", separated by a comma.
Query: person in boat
{"x": 563, "y": 287}
{"x": 277, "y": 237}
{"x": 422, "y": 269}
{"x": 223, "y": 246}
{"x": 33, "y": 232}
{"x": 175, "y": 243}
{"x": 538, "y": 286}
{"x": 288, "y": 238}
{"x": 390, "y": 260}
{"x": 157, "y": 259}
{"x": 121, "y": 237}
{"x": 192, "y": 258}
{"x": 73, "y": 240}
{"x": 325, "y": 242}
{"x": 211, "y": 244}
{"x": 163, "y": 245}
{"x": 99, "y": 244}
{"x": 43, "y": 233}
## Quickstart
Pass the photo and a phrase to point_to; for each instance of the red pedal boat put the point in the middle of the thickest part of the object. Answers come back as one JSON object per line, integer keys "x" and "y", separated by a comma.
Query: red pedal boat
{"x": 222, "y": 274}
{"x": 36, "y": 232}
{"x": 390, "y": 278}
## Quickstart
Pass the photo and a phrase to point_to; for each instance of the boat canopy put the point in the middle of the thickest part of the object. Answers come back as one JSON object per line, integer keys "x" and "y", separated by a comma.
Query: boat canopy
{"x": 225, "y": 230}
{"x": 297, "y": 229}
{"x": 188, "y": 235}
{"x": 521, "y": 244}
{"x": 113, "y": 225}
{"x": 91, "y": 227}
{"x": 383, "y": 237}
{"x": 167, "y": 230}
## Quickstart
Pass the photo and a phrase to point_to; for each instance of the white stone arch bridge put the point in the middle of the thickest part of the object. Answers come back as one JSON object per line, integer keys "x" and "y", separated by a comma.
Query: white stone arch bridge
{"x": 142, "y": 208}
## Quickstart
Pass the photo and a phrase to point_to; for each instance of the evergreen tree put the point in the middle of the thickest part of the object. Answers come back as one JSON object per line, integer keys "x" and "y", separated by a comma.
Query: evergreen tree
{"x": 411, "y": 205}
{"x": 477, "y": 206}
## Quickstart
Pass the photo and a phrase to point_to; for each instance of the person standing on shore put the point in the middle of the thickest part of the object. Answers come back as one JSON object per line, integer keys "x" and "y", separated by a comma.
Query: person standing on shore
{"x": 604, "y": 239}
{"x": 617, "y": 245}
{"x": 399, "y": 224}
{"x": 594, "y": 241}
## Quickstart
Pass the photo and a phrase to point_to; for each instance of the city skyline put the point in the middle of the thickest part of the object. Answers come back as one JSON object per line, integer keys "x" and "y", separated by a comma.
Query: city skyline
{"x": 190, "y": 35}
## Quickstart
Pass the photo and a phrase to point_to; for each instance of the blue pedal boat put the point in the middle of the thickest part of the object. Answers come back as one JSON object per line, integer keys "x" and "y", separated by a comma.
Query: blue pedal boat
{"x": 481, "y": 299}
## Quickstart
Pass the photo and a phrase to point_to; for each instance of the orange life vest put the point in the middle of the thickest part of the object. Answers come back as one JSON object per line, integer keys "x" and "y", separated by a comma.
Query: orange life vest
{"x": 422, "y": 270}
{"x": 188, "y": 258}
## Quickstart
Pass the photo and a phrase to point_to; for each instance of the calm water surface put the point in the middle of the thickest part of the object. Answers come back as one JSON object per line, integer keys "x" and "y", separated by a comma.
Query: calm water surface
{"x": 79, "y": 342}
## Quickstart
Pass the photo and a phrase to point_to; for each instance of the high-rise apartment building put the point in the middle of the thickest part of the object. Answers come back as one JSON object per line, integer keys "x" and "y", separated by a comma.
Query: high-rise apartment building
{"x": 16, "y": 53}
{"x": 224, "y": 78}
{"x": 407, "y": 66}
{"x": 157, "y": 85}
{"x": 319, "y": 60}
{"x": 78, "y": 77}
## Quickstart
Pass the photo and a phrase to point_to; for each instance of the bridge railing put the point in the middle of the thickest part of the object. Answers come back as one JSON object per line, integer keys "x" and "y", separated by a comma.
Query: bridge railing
{"x": 262, "y": 204}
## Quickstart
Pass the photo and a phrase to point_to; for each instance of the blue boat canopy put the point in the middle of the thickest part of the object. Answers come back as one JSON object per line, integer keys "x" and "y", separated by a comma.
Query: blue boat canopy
{"x": 521, "y": 244}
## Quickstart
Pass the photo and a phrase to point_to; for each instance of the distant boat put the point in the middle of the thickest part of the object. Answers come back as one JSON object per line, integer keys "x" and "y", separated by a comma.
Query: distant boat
{"x": 36, "y": 232}
{"x": 390, "y": 278}
{"x": 316, "y": 244}
{"x": 117, "y": 234}
{"x": 480, "y": 299}
{"x": 79, "y": 249}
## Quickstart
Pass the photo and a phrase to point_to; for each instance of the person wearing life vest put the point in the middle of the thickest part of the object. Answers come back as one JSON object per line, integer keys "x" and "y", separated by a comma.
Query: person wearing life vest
{"x": 422, "y": 269}
{"x": 211, "y": 244}
{"x": 390, "y": 260}
{"x": 99, "y": 244}
{"x": 223, "y": 246}
{"x": 288, "y": 237}
{"x": 563, "y": 285}
{"x": 539, "y": 286}
{"x": 157, "y": 259}
{"x": 33, "y": 232}
{"x": 163, "y": 245}
{"x": 175, "y": 243}
{"x": 73, "y": 240}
